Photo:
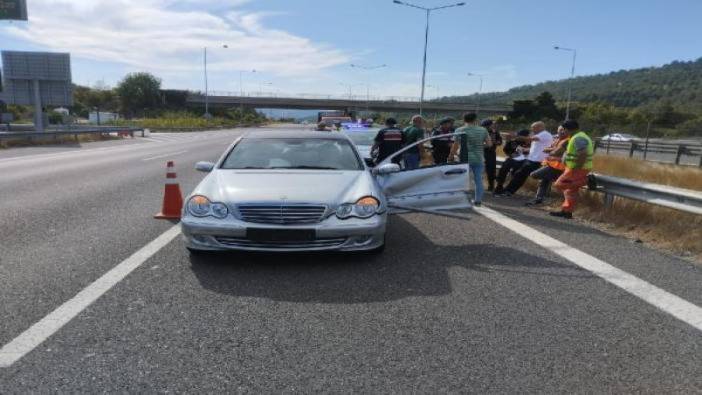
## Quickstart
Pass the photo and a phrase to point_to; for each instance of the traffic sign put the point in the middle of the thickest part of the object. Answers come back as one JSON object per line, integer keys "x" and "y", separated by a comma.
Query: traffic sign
{"x": 13, "y": 10}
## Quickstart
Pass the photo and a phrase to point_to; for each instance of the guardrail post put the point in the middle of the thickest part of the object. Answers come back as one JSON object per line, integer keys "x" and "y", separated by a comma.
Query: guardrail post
{"x": 700, "y": 158}
{"x": 609, "y": 142}
{"x": 608, "y": 200}
{"x": 632, "y": 149}
{"x": 681, "y": 150}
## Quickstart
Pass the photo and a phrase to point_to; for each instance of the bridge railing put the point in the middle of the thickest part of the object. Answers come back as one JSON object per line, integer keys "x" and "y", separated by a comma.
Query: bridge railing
{"x": 321, "y": 96}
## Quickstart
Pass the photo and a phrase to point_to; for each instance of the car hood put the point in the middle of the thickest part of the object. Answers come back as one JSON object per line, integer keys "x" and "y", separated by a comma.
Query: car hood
{"x": 278, "y": 186}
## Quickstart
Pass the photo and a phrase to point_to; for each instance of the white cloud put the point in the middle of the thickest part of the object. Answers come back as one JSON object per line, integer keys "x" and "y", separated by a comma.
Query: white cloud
{"x": 167, "y": 36}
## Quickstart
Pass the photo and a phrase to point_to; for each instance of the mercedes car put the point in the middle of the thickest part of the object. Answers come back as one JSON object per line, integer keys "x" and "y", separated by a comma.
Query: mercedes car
{"x": 308, "y": 191}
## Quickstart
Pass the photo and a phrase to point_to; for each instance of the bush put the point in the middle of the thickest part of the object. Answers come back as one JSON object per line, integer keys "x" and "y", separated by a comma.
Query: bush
{"x": 693, "y": 127}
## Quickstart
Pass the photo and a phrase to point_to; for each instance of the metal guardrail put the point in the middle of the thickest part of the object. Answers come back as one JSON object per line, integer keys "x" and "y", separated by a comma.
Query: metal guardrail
{"x": 651, "y": 147}
{"x": 75, "y": 132}
{"x": 660, "y": 195}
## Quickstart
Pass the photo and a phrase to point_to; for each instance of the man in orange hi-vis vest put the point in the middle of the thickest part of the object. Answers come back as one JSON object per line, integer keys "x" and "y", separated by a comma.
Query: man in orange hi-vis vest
{"x": 552, "y": 167}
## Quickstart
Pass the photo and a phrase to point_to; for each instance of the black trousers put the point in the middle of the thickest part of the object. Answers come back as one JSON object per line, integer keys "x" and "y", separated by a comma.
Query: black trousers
{"x": 546, "y": 176}
{"x": 440, "y": 152}
{"x": 520, "y": 176}
{"x": 509, "y": 166}
{"x": 490, "y": 167}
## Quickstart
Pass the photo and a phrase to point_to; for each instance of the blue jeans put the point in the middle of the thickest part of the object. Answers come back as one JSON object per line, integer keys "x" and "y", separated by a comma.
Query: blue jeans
{"x": 411, "y": 160}
{"x": 477, "y": 170}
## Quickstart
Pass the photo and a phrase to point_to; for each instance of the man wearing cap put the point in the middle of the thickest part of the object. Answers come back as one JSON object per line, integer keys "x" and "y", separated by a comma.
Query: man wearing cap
{"x": 412, "y": 134}
{"x": 441, "y": 146}
{"x": 389, "y": 140}
{"x": 578, "y": 163}
{"x": 490, "y": 152}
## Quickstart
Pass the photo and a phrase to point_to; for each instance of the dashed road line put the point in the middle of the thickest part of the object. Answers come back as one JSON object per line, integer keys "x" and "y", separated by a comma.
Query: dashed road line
{"x": 660, "y": 298}
{"x": 164, "y": 155}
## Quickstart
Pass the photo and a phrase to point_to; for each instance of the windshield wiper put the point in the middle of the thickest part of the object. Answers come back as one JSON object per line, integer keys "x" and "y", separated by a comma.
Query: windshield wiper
{"x": 306, "y": 167}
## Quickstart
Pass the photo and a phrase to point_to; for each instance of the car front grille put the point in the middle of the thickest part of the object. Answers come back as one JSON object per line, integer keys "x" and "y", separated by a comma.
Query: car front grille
{"x": 282, "y": 214}
{"x": 243, "y": 242}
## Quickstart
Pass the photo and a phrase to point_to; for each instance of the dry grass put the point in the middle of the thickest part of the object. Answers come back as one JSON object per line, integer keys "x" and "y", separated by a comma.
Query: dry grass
{"x": 82, "y": 138}
{"x": 670, "y": 229}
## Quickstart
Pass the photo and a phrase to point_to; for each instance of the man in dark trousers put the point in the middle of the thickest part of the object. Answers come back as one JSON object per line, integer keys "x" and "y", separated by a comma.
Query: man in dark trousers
{"x": 389, "y": 140}
{"x": 490, "y": 152}
{"x": 442, "y": 146}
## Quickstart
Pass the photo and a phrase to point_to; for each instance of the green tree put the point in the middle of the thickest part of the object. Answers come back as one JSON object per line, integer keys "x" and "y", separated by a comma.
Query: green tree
{"x": 139, "y": 92}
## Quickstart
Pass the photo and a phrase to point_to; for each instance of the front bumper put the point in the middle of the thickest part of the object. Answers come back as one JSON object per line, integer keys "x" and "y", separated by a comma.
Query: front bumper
{"x": 333, "y": 234}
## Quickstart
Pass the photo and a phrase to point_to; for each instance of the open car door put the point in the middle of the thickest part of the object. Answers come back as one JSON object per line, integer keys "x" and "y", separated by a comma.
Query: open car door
{"x": 434, "y": 187}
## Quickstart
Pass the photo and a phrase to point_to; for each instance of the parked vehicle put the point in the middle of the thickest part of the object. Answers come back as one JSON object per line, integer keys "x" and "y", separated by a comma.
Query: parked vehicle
{"x": 309, "y": 191}
{"x": 619, "y": 137}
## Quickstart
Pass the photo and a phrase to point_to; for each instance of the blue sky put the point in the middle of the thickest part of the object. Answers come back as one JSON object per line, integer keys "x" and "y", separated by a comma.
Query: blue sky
{"x": 306, "y": 46}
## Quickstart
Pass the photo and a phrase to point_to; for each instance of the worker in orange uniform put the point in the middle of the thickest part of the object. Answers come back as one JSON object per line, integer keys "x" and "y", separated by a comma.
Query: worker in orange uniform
{"x": 551, "y": 168}
{"x": 578, "y": 164}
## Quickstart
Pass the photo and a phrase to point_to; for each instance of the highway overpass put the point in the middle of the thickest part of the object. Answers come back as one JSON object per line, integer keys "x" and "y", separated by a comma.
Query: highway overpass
{"x": 356, "y": 103}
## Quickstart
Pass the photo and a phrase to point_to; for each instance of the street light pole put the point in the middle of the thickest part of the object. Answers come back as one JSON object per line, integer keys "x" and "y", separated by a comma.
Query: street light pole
{"x": 480, "y": 90}
{"x": 426, "y": 42}
{"x": 368, "y": 68}
{"x": 572, "y": 75}
{"x": 207, "y": 99}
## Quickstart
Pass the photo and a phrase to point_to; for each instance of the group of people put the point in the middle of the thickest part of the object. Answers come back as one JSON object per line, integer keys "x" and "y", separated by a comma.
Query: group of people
{"x": 563, "y": 161}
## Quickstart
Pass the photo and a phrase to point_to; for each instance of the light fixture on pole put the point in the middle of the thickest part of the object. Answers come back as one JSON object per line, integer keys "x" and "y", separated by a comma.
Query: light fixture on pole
{"x": 572, "y": 75}
{"x": 480, "y": 90}
{"x": 368, "y": 68}
{"x": 426, "y": 41}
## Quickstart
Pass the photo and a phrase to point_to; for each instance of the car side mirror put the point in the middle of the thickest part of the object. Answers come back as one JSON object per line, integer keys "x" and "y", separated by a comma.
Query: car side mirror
{"x": 204, "y": 167}
{"x": 387, "y": 168}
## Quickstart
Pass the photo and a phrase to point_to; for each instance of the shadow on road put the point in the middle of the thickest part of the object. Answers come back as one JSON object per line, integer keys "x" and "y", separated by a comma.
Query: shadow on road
{"x": 411, "y": 265}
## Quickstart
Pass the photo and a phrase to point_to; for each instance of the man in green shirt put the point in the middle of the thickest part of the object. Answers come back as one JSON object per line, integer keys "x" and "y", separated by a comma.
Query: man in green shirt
{"x": 470, "y": 147}
{"x": 412, "y": 134}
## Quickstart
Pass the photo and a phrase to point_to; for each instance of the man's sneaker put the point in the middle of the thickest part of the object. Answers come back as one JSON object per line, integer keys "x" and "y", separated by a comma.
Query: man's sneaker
{"x": 535, "y": 202}
{"x": 477, "y": 204}
{"x": 561, "y": 214}
{"x": 507, "y": 194}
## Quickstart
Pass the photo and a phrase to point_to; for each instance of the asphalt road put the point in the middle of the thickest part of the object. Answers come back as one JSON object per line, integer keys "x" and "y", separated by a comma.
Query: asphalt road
{"x": 453, "y": 305}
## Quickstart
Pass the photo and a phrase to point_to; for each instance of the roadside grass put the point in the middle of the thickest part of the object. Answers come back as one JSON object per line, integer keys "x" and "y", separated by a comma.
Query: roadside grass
{"x": 670, "y": 229}
{"x": 82, "y": 138}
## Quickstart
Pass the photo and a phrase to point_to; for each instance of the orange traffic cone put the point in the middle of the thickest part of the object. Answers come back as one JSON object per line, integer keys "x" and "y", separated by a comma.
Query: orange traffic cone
{"x": 172, "y": 198}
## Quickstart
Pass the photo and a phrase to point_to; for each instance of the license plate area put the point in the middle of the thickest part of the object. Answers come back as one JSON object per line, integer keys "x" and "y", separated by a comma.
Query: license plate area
{"x": 263, "y": 234}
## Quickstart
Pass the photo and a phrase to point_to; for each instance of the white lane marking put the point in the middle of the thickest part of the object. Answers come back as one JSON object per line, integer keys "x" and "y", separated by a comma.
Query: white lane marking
{"x": 164, "y": 155}
{"x": 47, "y": 326}
{"x": 660, "y": 298}
{"x": 88, "y": 151}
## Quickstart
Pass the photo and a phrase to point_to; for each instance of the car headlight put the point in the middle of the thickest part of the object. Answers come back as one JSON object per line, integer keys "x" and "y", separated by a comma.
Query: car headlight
{"x": 364, "y": 208}
{"x": 200, "y": 206}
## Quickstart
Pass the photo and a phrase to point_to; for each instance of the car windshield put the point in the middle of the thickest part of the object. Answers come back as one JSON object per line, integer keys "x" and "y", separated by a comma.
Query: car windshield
{"x": 292, "y": 153}
{"x": 365, "y": 137}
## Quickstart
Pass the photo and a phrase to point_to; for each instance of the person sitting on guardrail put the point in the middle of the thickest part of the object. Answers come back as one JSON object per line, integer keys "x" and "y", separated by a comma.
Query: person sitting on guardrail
{"x": 552, "y": 168}
{"x": 441, "y": 147}
{"x": 516, "y": 155}
{"x": 471, "y": 147}
{"x": 540, "y": 139}
{"x": 578, "y": 164}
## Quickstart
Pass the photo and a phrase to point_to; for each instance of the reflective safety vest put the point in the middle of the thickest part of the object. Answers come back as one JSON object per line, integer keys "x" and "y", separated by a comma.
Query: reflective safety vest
{"x": 571, "y": 154}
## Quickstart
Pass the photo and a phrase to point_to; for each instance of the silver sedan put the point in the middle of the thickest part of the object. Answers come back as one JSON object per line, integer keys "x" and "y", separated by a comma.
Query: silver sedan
{"x": 307, "y": 191}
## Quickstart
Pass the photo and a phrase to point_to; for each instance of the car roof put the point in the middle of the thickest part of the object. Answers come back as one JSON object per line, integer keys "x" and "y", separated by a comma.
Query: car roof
{"x": 294, "y": 134}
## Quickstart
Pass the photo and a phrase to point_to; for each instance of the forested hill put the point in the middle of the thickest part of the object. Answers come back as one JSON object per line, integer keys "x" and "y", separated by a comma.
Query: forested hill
{"x": 677, "y": 83}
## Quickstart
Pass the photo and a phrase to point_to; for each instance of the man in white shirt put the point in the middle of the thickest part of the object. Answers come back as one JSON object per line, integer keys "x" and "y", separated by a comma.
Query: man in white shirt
{"x": 540, "y": 140}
